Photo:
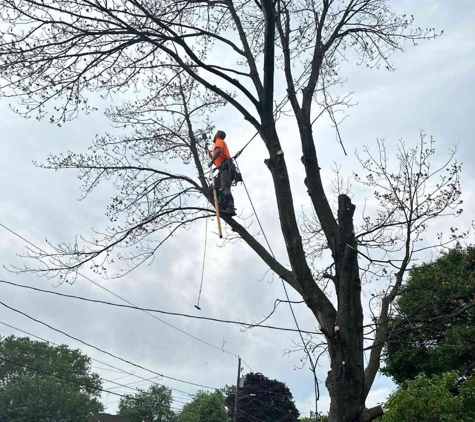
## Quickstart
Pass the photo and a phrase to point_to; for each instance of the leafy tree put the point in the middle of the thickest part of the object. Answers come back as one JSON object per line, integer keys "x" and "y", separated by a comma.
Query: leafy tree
{"x": 153, "y": 405}
{"x": 312, "y": 418}
{"x": 263, "y": 399}
{"x": 436, "y": 319}
{"x": 206, "y": 53}
{"x": 205, "y": 407}
{"x": 46, "y": 383}
{"x": 441, "y": 398}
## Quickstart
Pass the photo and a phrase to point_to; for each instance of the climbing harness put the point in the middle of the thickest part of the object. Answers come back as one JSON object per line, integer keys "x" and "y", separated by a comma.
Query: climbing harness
{"x": 230, "y": 172}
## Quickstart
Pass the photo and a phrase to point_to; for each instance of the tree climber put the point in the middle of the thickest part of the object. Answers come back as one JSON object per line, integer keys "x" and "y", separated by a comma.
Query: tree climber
{"x": 221, "y": 158}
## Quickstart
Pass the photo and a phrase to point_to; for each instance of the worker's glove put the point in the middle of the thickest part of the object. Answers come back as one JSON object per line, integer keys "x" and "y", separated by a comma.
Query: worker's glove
{"x": 210, "y": 164}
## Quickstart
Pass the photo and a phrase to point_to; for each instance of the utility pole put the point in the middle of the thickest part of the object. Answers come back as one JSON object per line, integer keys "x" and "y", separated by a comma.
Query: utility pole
{"x": 237, "y": 389}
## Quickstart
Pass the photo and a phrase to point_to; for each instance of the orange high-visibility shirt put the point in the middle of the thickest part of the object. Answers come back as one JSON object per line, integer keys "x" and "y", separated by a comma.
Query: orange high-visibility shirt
{"x": 224, "y": 152}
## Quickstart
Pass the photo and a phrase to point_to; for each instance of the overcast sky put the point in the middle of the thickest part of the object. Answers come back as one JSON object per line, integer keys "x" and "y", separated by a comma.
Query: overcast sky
{"x": 432, "y": 89}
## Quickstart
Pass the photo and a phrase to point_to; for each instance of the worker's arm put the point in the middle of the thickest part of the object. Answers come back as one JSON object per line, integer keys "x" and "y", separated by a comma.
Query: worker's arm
{"x": 210, "y": 154}
{"x": 216, "y": 155}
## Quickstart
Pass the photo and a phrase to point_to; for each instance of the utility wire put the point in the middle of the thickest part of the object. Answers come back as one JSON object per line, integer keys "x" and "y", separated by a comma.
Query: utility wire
{"x": 250, "y": 417}
{"x": 60, "y": 377}
{"x": 119, "y": 370}
{"x": 142, "y": 379}
{"x": 119, "y": 385}
{"x": 40, "y": 371}
{"x": 36, "y": 289}
{"x": 102, "y": 350}
{"x": 127, "y": 301}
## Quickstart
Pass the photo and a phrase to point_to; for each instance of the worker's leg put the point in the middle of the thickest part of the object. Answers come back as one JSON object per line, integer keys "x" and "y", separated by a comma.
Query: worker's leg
{"x": 217, "y": 181}
{"x": 226, "y": 189}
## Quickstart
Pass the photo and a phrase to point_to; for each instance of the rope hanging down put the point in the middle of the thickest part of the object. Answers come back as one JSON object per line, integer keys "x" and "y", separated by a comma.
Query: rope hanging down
{"x": 312, "y": 364}
{"x": 129, "y": 302}
{"x": 197, "y": 306}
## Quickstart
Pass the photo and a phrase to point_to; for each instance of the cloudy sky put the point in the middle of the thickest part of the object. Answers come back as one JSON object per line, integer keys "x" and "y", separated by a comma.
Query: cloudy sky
{"x": 432, "y": 89}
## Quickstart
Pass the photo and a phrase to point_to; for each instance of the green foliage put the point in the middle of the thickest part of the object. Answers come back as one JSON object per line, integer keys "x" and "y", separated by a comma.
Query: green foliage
{"x": 433, "y": 335}
{"x": 206, "y": 407}
{"x": 27, "y": 395}
{"x": 153, "y": 405}
{"x": 442, "y": 398}
{"x": 312, "y": 418}
{"x": 264, "y": 399}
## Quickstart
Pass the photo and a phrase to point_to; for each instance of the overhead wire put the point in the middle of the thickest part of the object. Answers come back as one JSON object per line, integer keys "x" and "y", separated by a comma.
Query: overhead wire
{"x": 118, "y": 370}
{"x": 127, "y": 301}
{"x": 102, "y": 302}
{"x": 104, "y": 351}
{"x": 60, "y": 377}
{"x": 142, "y": 379}
{"x": 72, "y": 381}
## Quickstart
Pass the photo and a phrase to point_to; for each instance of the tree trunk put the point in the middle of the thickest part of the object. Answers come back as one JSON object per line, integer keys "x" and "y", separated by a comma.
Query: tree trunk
{"x": 345, "y": 380}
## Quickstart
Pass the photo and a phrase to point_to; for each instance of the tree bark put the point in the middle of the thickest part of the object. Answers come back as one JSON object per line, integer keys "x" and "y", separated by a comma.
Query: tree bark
{"x": 345, "y": 380}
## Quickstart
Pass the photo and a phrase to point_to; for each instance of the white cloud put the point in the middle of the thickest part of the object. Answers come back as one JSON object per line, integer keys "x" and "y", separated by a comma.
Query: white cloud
{"x": 378, "y": 396}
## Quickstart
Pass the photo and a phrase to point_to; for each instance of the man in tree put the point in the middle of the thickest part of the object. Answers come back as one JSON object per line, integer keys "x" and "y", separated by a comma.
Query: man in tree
{"x": 174, "y": 49}
{"x": 44, "y": 383}
{"x": 221, "y": 158}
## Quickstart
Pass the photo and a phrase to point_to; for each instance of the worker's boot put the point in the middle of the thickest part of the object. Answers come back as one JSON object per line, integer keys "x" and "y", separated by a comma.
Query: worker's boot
{"x": 229, "y": 201}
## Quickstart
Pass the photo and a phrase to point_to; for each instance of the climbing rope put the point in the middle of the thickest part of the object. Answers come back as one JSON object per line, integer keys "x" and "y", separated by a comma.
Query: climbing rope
{"x": 312, "y": 364}
{"x": 197, "y": 306}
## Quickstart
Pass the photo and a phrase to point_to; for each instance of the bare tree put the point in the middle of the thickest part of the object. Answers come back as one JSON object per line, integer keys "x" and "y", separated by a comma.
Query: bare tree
{"x": 60, "y": 50}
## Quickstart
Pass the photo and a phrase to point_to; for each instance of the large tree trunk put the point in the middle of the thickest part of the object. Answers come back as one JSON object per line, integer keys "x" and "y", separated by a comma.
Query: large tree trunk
{"x": 345, "y": 380}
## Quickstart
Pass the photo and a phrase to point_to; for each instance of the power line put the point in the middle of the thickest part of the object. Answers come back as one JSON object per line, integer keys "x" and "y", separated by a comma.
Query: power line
{"x": 142, "y": 379}
{"x": 104, "y": 351}
{"x": 60, "y": 377}
{"x": 125, "y": 300}
{"x": 145, "y": 310}
{"x": 119, "y": 370}
{"x": 250, "y": 417}
{"x": 36, "y": 289}
{"x": 103, "y": 379}
{"x": 30, "y": 368}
